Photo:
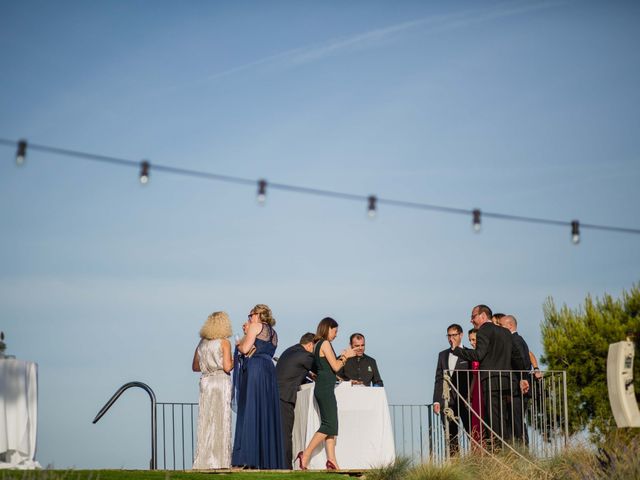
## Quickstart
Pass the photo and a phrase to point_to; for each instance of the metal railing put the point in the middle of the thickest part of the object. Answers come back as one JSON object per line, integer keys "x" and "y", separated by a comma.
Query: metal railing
{"x": 171, "y": 416}
{"x": 177, "y": 431}
{"x": 504, "y": 416}
{"x": 414, "y": 430}
{"x": 418, "y": 431}
{"x": 153, "y": 463}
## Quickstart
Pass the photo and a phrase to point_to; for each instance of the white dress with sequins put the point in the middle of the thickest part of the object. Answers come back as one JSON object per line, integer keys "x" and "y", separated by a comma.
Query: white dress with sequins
{"x": 214, "y": 417}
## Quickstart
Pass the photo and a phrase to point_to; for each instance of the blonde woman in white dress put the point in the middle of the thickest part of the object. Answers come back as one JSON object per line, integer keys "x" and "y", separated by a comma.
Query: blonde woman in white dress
{"x": 213, "y": 358}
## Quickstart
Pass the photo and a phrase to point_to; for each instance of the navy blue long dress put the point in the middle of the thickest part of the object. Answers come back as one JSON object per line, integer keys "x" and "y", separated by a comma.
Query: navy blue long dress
{"x": 258, "y": 438}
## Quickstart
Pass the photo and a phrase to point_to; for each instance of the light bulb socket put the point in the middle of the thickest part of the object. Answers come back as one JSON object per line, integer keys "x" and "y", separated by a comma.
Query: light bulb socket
{"x": 144, "y": 172}
{"x": 262, "y": 191}
{"x": 371, "y": 209}
{"x": 477, "y": 220}
{"x": 575, "y": 232}
{"x": 21, "y": 152}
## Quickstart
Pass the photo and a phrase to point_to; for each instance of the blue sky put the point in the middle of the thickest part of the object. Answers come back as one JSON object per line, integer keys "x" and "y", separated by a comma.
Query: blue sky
{"x": 525, "y": 108}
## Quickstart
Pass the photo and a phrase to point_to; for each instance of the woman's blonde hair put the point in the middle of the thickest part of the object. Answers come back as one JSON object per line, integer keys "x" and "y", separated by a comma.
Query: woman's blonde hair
{"x": 216, "y": 326}
{"x": 264, "y": 312}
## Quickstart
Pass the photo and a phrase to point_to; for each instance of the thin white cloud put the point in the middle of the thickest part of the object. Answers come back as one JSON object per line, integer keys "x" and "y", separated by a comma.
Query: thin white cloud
{"x": 373, "y": 39}
{"x": 377, "y": 37}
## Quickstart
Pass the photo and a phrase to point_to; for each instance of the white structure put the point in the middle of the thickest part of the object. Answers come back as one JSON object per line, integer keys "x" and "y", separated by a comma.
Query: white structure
{"x": 18, "y": 412}
{"x": 620, "y": 384}
{"x": 365, "y": 433}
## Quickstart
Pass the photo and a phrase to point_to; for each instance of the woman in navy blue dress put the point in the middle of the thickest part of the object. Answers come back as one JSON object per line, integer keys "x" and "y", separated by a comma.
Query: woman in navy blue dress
{"x": 258, "y": 438}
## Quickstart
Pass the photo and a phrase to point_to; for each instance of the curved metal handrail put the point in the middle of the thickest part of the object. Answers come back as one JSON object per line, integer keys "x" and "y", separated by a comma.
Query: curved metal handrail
{"x": 153, "y": 464}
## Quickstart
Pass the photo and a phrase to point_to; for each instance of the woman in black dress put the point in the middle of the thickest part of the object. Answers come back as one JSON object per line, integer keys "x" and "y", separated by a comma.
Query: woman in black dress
{"x": 327, "y": 364}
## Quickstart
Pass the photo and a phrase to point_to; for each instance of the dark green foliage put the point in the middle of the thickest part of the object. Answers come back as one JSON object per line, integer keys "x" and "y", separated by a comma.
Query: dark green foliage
{"x": 578, "y": 341}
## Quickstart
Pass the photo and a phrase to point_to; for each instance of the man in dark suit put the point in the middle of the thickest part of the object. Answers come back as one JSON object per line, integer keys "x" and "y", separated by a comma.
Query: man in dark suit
{"x": 447, "y": 362}
{"x": 494, "y": 350}
{"x": 520, "y": 398}
{"x": 291, "y": 370}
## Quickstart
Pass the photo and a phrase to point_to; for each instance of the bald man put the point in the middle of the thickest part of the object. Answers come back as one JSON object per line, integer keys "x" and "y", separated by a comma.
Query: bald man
{"x": 520, "y": 399}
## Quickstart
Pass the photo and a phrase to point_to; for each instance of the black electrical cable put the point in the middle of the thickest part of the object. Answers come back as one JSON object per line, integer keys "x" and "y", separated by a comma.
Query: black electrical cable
{"x": 307, "y": 190}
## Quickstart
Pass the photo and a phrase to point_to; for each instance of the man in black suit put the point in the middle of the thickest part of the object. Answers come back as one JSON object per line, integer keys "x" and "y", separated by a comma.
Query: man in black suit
{"x": 519, "y": 383}
{"x": 292, "y": 368}
{"x": 494, "y": 350}
{"x": 447, "y": 362}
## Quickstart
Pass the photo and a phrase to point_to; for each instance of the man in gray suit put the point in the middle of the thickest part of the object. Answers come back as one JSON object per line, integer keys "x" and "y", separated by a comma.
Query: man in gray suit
{"x": 291, "y": 370}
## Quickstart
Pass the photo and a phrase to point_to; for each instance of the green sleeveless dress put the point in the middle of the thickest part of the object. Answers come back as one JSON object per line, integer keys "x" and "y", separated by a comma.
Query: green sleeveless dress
{"x": 324, "y": 394}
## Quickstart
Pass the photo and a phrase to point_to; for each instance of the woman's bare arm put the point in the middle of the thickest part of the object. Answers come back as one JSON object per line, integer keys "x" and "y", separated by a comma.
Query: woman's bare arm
{"x": 195, "y": 365}
{"x": 250, "y": 338}
{"x": 334, "y": 363}
{"x": 227, "y": 360}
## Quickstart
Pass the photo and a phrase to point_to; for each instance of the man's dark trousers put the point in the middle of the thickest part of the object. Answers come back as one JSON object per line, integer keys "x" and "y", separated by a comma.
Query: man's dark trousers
{"x": 287, "y": 418}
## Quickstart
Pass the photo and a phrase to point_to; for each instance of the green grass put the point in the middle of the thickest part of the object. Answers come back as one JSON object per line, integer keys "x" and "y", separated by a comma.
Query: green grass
{"x": 616, "y": 459}
{"x": 163, "y": 475}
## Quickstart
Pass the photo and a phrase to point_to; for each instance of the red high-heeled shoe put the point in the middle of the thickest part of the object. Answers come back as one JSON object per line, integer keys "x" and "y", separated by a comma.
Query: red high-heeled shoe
{"x": 299, "y": 459}
{"x": 331, "y": 466}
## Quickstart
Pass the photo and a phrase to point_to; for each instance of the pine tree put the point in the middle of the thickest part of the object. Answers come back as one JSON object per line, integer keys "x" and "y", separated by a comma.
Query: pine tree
{"x": 578, "y": 341}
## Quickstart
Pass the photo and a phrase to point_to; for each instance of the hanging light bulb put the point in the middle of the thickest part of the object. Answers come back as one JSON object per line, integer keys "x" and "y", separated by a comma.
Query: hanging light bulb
{"x": 144, "y": 172}
{"x": 262, "y": 191}
{"x": 371, "y": 210}
{"x": 575, "y": 232}
{"x": 21, "y": 153}
{"x": 476, "y": 220}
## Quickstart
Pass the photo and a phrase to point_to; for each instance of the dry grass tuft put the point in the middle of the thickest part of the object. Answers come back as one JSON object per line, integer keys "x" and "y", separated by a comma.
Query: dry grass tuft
{"x": 617, "y": 459}
{"x": 394, "y": 471}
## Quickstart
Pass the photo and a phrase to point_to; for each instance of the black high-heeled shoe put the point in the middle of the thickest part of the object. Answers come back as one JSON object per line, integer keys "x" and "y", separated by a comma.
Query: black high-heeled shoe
{"x": 330, "y": 465}
{"x": 299, "y": 459}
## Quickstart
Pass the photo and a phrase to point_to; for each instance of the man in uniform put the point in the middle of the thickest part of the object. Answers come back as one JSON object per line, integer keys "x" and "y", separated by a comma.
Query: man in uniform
{"x": 361, "y": 369}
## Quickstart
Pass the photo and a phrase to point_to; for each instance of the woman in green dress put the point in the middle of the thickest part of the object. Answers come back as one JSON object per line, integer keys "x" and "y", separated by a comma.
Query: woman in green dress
{"x": 327, "y": 364}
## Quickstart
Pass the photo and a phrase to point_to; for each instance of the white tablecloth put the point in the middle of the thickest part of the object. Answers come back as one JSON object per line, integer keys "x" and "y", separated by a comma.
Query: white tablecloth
{"x": 18, "y": 413}
{"x": 365, "y": 434}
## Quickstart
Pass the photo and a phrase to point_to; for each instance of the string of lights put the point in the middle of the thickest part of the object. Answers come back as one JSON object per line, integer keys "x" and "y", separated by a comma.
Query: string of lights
{"x": 372, "y": 201}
